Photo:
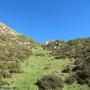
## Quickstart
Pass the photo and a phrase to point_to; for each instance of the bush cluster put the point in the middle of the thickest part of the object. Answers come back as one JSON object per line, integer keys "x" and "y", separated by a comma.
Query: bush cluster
{"x": 70, "y": 80}
{"x": 79, "y": 49}
{"x": 50, "y": 82}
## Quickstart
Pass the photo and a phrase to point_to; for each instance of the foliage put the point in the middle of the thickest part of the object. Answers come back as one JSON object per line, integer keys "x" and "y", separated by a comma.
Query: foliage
{"x": 70, "y": 80}
{"x": 79, "y": 49}
{"x": 50, "y": 82}
{"x": 14, "y": 48}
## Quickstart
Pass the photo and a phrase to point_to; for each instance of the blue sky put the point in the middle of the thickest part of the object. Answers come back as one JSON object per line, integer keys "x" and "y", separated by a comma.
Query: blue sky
{"x": 47, "y": 19}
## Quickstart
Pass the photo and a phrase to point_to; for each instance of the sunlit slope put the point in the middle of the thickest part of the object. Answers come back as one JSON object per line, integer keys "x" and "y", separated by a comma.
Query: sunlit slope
{"x": 39, "y": 64}
{"x": 14, "y": 48}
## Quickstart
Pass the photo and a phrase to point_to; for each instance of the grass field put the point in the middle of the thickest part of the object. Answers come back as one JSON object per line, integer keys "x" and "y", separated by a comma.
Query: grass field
{"x": 39, "y": 64}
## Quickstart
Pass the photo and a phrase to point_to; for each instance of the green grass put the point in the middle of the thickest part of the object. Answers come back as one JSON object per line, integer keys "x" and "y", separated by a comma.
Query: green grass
{"x": 33, "y": 69}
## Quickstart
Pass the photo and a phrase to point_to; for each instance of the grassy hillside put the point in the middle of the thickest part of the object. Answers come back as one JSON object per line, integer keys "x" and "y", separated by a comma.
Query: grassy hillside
{"x": 40, "y": 64}
{"x": 14, "y": 48}
{"x": 56, "y": 65}
{"x": 79, "y": 50}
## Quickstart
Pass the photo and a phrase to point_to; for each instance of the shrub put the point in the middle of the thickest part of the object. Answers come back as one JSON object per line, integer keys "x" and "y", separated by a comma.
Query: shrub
{"x": 70, "y": 80}
{"x": 89, "y": 83}
{"x": 88, "y": 59}
{"x": 81, "y": 81}
{"x": 1, "y": 80}
{"x": 79, "y": 67}
{"x": 6, "y": 74}
{"x": 83, "y": 74}
{"x": 66, "y": 70}
{"x": 14, "y": 67}
{"x": 50, "y": 82}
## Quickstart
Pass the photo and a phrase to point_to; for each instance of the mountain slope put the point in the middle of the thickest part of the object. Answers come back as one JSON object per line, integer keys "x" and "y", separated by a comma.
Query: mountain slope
{"x": 79, "y": 50}
{"x": 23, "y": 62}
{"x": 35, "y": 67}
{"x": 39, "y": 65}
{"x": 14, "y": 48}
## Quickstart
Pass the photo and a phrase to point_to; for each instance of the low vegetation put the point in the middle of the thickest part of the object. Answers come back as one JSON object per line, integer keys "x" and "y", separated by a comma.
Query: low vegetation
{"x": 14, "y": 48}
{"x": 50, "y": 82}
{"x": 79, "y": 50}
{"x": 56, "y": 65}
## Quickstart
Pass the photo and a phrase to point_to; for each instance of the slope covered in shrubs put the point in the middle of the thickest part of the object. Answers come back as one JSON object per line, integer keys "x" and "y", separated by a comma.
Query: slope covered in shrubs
{"x": 14, "y": 48}
{"x": 24, "y": 64}
{"x": 79, "y": 50}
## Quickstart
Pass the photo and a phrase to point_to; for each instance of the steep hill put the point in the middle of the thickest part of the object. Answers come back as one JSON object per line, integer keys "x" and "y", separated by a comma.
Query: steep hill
{"x": 14, "y": 48}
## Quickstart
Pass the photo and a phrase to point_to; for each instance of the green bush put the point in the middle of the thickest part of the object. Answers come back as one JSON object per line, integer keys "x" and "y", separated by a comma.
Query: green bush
{"x": 50, "y": 82}
{"x": 14, "y": 67}
{"x": 1, "y": 80}
{"x": 5, "y": 74}
{"x": 82, "y": 74}
{"x": 87, "y": 59}
{"x": 66, "y": 70}
{"x": 70, "y": 80}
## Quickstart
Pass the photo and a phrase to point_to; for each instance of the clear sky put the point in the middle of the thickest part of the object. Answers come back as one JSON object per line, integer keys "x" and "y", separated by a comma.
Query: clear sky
{"x": 47, "y": 19}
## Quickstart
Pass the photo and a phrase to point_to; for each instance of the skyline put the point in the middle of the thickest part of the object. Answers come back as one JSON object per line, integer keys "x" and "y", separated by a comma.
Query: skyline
{"x": 48, "y": 19}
